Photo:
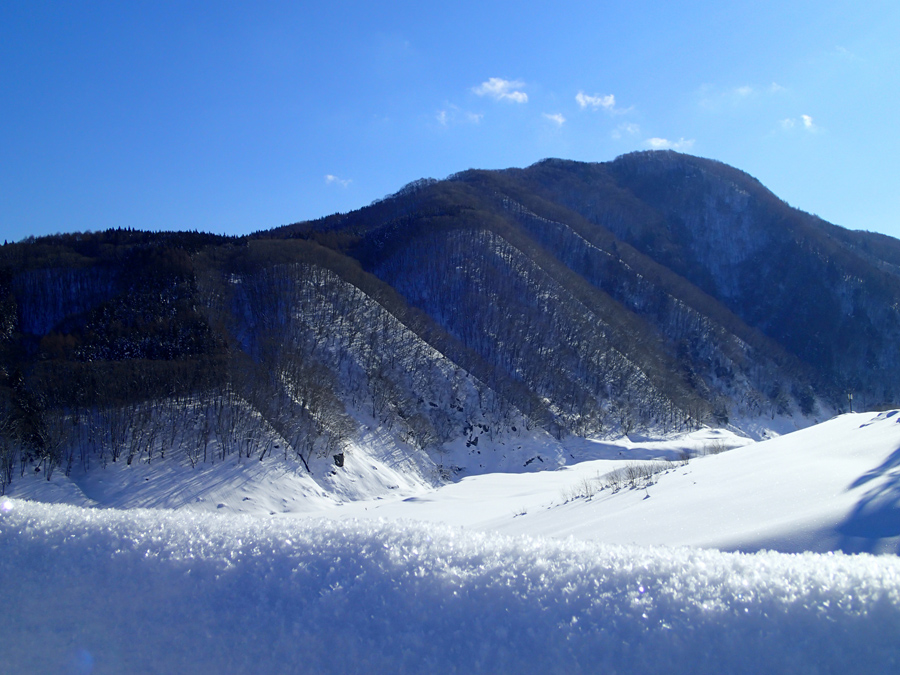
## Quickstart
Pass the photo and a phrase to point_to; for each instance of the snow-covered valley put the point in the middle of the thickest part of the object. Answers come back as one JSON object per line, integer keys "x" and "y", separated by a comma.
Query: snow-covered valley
{"x": 589, "y": 566}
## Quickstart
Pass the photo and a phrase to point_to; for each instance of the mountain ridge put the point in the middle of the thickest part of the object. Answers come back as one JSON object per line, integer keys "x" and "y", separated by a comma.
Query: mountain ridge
{"x": 659, "y": 291}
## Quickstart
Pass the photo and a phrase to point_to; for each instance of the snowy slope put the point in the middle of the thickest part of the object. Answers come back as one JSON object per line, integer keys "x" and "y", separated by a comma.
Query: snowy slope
{"x": 106, "y": 591}
{"x": 233, "y": 486}
{"x": 835, "y": 486}
{"x": 829, "y": 487}
{"x": 376, "y": 465}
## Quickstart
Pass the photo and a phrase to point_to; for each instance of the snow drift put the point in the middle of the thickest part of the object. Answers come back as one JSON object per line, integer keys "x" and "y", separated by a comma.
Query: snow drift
{"x": 831, "y": 487}
{"x": 154, "y": 591}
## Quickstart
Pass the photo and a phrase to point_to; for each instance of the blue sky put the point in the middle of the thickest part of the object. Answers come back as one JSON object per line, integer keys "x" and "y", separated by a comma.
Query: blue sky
{"x": 233, "y": 117}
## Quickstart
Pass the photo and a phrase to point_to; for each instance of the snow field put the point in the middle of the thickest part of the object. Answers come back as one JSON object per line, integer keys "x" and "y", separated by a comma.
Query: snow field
{"x": 106, "y": 591}
{"x": 831, "y": 487}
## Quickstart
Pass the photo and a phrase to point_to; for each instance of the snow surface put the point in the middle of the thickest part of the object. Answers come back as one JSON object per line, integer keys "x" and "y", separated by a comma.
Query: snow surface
{"x": 831, "y": 487}
{"x": 108, "y": 591}
{"x": 505, "y": 572}
{"x": 236, "y": 485}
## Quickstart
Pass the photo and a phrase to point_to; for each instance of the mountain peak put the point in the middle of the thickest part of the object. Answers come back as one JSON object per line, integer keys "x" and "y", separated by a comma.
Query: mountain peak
{"x": 658, "y": 292}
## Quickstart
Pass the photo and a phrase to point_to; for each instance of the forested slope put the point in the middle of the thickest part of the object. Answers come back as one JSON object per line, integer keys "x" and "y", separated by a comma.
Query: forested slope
{"x": 658, "y": 291}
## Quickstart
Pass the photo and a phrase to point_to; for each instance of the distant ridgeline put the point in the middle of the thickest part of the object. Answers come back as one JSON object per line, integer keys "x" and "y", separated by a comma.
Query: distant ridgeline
{"x": 655, "y": 292}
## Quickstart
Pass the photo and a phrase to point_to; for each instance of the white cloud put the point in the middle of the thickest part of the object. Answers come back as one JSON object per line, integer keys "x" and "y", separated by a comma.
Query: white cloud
{"x": 556, "y": 117}
{"x": 717, "y": 100}
{"x": 847, "y": 55}
{"x": 596, "y": 101}
{"x": 805, "y": 122}
{"x": 453, "y": 115}
{"x": 502, "y": 90}
{"x": 334, "y": 180}
{"x": 626, "y": 129}
{"x": 666, "y": 144}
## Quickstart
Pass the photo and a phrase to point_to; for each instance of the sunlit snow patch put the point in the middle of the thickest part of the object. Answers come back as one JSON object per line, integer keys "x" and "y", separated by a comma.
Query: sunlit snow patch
{"x": 156, "y": 591}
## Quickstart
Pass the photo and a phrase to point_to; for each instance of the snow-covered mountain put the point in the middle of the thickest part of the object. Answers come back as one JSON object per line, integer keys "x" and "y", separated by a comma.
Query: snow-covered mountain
{"x": 659, "y": 293}
{"x": 569, "y": 418}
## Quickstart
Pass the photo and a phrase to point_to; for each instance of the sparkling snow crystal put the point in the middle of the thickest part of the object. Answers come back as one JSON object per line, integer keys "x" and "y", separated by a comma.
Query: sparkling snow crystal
{"x": 144, "y": 591}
